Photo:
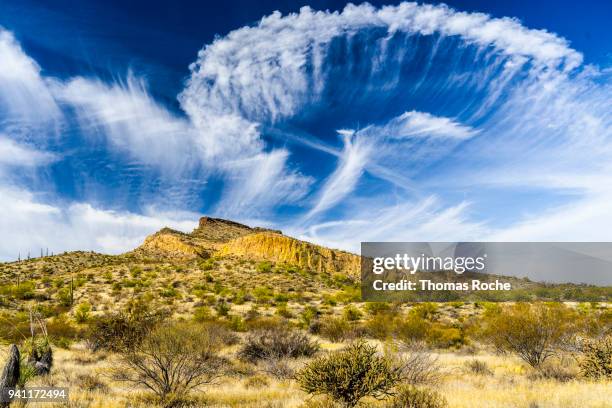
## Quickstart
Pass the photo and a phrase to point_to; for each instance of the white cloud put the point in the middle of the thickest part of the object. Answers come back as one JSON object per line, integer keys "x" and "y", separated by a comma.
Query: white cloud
{"x": 425, "y": 125}
{"x": 131, "y": 121}
{"x": 587, "y": 219}
{"x": 406, "y": 220}
{"x": 256, "y": 184}
{"x": 343, "y": 180}
{"x": 270, "y": 70}
{"x": 15, "y": 154}
{"x": 25, "y": 100}
{"x": 32, "y": 224}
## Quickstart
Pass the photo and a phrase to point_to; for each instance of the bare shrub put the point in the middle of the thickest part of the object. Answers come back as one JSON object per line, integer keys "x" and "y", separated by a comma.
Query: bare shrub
{"x": 256, "y": 381}
{"x": 478, "y": 367}
{"x": 554, "y": 370}
{"x": 173, "y": 359}
{"x": 277, "y": 342}
{"x": 417, "y": 366}
{"x": 277, "y": 368}
{"x": 349, "y": 375}
{"x": 409, "y": 396}
{"x": 89, "y": 382}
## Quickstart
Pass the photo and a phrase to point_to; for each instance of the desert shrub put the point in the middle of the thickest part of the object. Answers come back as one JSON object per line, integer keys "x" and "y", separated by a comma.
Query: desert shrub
{"x": 122, "y": 330}
{"x": 222, "y": 308}
{"x": 202, "y": 314}
{"x": 65, "y": 296}
{"x": 534, "y": 332}
{"x": 283, "y": 311}
{"x": 14, "y": 327}
{"x": 380, "y": 326}
{"x": 412, "y": 329}
{"x": 351, "y": 313}
{"x": 236, "y": 323}
{"x": 81, "y": 314}
{"x": 409, "y": 396}
{"x": 256, "y": 381}
{"x": 335, "y": 329}
{"x": 221, "y": 333}
{"x": 277, "y": 343}
{"x": 425, "y": 310}
{"x": 596, "y": 361}
{"x": 264, "y": 267}
{"x": 349, "y": 375}
{"x": 173, "y": 359}
{"x": 277, "y": 368}
{"x": 62, "y": 332}
{"x": 374, "y": 308}
{"x": 478, "y": 367}
{"x": 558, "y": 370}
{"x": 442, "y": 336}
{"x": 89, "y": 382}
{"x": 416, "y": 365}
{"x": 23, "y": 291}
{"x": 308, "y": 315}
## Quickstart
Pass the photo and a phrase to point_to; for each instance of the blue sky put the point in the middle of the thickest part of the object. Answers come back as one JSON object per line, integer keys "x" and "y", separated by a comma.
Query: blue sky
{"x": 336, "y": 123}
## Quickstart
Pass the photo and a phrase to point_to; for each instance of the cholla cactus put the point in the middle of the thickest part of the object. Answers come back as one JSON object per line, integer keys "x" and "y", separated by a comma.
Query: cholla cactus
{"x": 597, "y": 358}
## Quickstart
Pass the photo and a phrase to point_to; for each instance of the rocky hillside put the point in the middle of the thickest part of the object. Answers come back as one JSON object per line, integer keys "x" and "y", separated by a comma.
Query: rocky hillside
{"x": 219, "y": 237}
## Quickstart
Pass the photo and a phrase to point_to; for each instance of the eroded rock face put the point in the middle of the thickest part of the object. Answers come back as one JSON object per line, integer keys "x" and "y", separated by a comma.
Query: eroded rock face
{"x": 172, "y": 243}
{"x": 279, "y": 248}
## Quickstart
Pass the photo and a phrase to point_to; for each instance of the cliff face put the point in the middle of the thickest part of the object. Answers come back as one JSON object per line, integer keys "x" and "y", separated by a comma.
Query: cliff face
{"x": 279, "y": 248}
{"x": 171, "y": 243}
{"x": 215, "y": 236}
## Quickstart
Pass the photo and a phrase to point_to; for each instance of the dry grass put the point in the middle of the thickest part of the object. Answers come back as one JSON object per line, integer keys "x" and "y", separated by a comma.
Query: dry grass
{"x": 510, "y": 386}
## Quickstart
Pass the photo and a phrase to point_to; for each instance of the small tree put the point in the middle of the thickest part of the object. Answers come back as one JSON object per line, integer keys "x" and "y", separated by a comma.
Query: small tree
{"x": 349, "y": 375}
{"x": 534, "y": 332}
{"x": 172, "y": 360}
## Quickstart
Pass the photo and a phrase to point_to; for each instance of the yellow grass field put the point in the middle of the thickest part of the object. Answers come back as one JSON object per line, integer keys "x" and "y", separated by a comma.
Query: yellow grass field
{"x": 87, "y": 375}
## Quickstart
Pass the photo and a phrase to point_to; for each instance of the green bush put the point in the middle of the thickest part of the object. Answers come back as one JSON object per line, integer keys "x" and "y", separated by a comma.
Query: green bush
{"x": 596, "y": 359}
{"x": 202, "y": 314}
{"x": 123, "y": 330}
{"x": 534, "y": 332}
{"x": 349, "y": 375}
{"x": 264, "y": 267}
{"x": 335, "y": 329}
{"x": 81, "y": 314}
{"x": 375, "y": 308}
{"x": 409, "y": 396}
{"x": 351, "y": 313}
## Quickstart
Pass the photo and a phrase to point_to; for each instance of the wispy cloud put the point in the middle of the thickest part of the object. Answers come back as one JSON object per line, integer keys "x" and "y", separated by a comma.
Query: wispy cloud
{"x": 425, "y": 125}
{"x": 269, "y": 70}
{"x": 25, "y": 100}
{"x": 343, "y": 180}
{"x": 19, "y": 155}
